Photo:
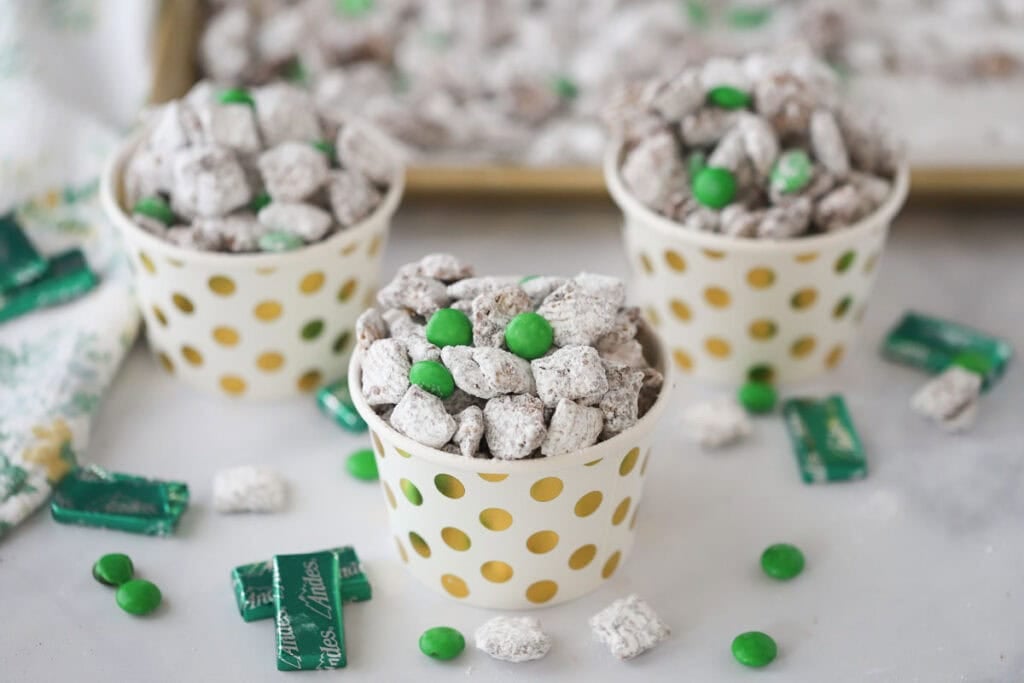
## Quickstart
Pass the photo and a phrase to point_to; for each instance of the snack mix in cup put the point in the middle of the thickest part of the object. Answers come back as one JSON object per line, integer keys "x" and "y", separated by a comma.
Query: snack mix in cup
{"x": 756, "y": 211}
{"x": 512, "y": 418}
{"x": 255, "y": 228}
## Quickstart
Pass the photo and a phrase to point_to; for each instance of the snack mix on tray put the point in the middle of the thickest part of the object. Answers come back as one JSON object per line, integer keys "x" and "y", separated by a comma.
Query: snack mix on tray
{"x": 759, "y": 147}
{"x": 239, "y": 170}
{"x": 504, "y": 367}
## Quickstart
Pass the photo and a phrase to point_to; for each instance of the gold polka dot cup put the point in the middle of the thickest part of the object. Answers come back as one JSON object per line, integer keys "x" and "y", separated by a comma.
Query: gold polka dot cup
{"x": 253, "y": 325}
{"x": 731, "y": 307}
{"x": 519, "y": 534}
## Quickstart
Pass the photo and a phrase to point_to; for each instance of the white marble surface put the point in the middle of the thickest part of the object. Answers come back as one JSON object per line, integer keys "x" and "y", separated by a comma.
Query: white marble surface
{"x": 913, "y": 574}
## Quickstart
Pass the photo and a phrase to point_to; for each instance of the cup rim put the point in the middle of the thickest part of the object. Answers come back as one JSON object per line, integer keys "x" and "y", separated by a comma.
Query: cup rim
{"x": 110, "y": 186}
{"x": 674, "y": 230}
{"x": 435, "y": 456}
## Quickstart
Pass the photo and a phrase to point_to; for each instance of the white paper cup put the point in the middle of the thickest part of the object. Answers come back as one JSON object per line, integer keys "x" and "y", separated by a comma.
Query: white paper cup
{"x": 519, "y": 534}
{"x": 253, "y": 325}
{"x": 727, "y": 305}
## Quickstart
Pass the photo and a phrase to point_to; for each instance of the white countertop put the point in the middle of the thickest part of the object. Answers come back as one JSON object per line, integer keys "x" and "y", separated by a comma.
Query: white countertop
{"x": 913, "y": 574}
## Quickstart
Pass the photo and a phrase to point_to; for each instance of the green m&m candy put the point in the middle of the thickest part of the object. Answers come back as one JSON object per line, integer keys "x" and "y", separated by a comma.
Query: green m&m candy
{"x": 113, "y": 569}
{"x": 782, "y": 561}
{"x": 442, "y": 642}
{"x": 235, "y": 96}
{"x": 449, "y": 327}
{"x": 792, "y": 171}
{"x": 529, "y": 335}
{"x": 138, "y": 596}
{"x": 278, "y": 241}
{"x": 259, "y": 201}
{"x": 728, "y": 97}
{"x": 714, "y": 187}
{"x": 154, "y": 207}
{"x": 758, "y": 397}
{"x": 327, "y": 148}
{"x": 362, "y": 465}
{"x": 566, "y": 88}
{"x": 433, "y": 377}
{"x": 754, "y": 649}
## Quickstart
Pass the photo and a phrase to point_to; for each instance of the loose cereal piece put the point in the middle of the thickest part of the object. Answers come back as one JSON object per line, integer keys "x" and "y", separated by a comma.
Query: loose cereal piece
{"x": 653, "y": 170}
{"x": 248, "y": 488}
{"x": 630, "y": 354}
{"x": 840, "y": 208}
{"x": 422, "y": 295}
{"x": 716, "y": 423}
{"x": 401, "y": 325}
{"x": 281, "y": 35}
{"x": 472, "y": 287}
{"x": 185, "y": 236}
{"x": 789, "y": 220}
{"x": 238, "y": 232}
{"x": 460, "y": 400}
{"x": 420, "y": 349}
{"x": 370, "y": 327}
{"x": 513, "y": 639}
{"x": 224, "y": 44}
{"x": 358, "y": 151}
{"x": 719, "y": 71}
{"x": 385, "y": 372}
{"x": 738, "y": 221}
{"x": 577, "y": 316}
{"x": 605, "y": 286}
{"x": 352, "y": 196}
{"x": 759, "y": 142}
{"x": 730, "y": 151}
{"x": 786, "y": 101}
{"x": 309, "y": 222}
{"x": 827, "y": 143}
{"x": 538, "y": 288}
{"x": 208, "y": 181}
{"x": 873, "y": 189}
{"x": 147, "y": 174}
{"x": 572, "y": 427}
{"x": 469, "y": 431}
{"x": 674, "y": 98}
{"x": 444, "y": 267}
{"x": 947, "y": 397}
{"x": 514, "y": 426}
{"x": 702, "y": 219}
{"x": 486, "y": 372}
{"x": 228, "y": 125}
{"x": 573, "y": 372}
{"x": 176, "y": 127}
{"x": 492, "y": 312}
{"x": 629, "y": 627}
{"x": 620, "y": 402}
{"x": 286, "y": 113}
{"x": 292, "y": 171}
{"x": 868, "y": 143}
{"x": 421, "y": 416}
{"x": 707, "y": 126}
{"x": 623, "y": 330}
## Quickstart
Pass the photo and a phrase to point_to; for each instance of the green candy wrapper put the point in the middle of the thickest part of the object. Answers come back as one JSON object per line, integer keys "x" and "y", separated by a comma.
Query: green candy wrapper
{"x": 20, "y": 263}
{"x": 67, "y": 277}
{"x": 825, "y": 442}
{"x": 933, "y": 344}
{"x": 91, "y": 496}
{"x": 254, "y": 584}
{"x": 336, "y": 403}
{"x": 307, "y": 612}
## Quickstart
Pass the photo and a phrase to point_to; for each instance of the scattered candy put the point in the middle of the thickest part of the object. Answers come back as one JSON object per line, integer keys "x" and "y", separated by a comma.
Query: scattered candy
{"x": 20, "y": 263}
{"x": 629, "y": 627}
{"x": 754, "y": 649}
{"x": 529, "y": 335}
{"x": 728, "y": 97}
{"x": 716, "y": 423}
{"x": 442, "y": 642}
{"x": 91, "y": 496}
{"x": 248, "y": 488}
{"x": 449, "y": 327}
{"x": 782, "y": 561}
{"x": 113, "y": 569}
{"x": 758, "y": 397}
{"x": 825, "y": 442}
{"x": 138, "y": 596}
{"x": 254, "y": 584}
{"x": 714, "y": 187}
{"x": 66, "y": 277}
{"x": 933, "y": 344}
{"x": 432, "y": 376}
{"x": 513, "y": 639}
{"x": 950, "y": 398}
{"x": 335, "y": 402}
{"x": 362, "y": 465}
{"x": 155, "y": 208}
{"x": 792, "y": 171}
{"x": 307, "y": 612}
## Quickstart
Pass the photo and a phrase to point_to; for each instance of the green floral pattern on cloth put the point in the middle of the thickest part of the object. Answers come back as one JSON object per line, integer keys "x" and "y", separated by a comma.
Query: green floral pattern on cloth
{"x": 55, "y": 364}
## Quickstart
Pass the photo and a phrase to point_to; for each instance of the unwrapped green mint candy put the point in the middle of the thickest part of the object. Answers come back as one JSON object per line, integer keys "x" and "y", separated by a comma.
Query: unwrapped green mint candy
{"x": 138, "y": 597}
{"x": 113, "y": 569}
{"x": 442, "y": 642}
